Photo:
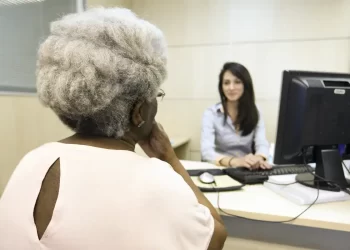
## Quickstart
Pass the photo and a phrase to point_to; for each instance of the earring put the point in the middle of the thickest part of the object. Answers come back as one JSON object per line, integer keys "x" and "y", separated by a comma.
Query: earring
{"x": 141, "y": 124}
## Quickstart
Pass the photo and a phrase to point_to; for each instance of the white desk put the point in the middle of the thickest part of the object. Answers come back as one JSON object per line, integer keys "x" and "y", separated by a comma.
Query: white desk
{"x": 258, "y": 202}
{"x": 179, "y": 144}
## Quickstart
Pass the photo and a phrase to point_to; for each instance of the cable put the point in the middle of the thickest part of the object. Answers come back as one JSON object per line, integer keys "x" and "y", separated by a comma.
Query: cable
{"x": 256, "y": 220}
{"x": 286, "y": 221}
{"x": 319, "y": 177}
{"x": 345, "y": 167}
{"x": 286, "y": 184}
{"x": 346, "y": 190}
{"x": 266, "y": 221}
{"x": 281, "y": 184}
{"x": 296, "y": 217}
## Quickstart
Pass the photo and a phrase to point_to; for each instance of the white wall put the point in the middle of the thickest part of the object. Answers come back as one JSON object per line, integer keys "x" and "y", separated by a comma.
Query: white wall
{"x": 267, "y": 36}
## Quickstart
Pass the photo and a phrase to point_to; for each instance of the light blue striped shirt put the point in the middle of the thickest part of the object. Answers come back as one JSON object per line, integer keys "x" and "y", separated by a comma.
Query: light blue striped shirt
{"x": 219, "y": 140}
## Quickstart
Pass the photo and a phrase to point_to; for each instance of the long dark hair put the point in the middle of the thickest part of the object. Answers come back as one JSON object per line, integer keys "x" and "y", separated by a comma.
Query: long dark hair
{"x": 248, "y": 115}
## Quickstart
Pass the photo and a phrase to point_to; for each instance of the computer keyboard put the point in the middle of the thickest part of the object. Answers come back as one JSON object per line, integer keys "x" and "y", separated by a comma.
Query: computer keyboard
{"x": 213, "y": 171}
{"x": 247, "y": 176}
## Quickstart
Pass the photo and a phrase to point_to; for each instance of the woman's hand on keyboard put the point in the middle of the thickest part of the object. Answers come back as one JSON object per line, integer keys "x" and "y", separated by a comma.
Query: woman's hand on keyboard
{"x": 264, "y": 164}
{"x": 256, "y": 161}
{"x": 240, "y": 162}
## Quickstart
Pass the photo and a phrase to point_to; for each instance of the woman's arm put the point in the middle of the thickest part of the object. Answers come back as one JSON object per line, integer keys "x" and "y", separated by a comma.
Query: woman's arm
{"x": 261, "y": 143}
{"x": 178, "y": 168}
{"x": 158, "y": 145}
{"x": 208, "y": 140}
{"x": 219, "y": 236}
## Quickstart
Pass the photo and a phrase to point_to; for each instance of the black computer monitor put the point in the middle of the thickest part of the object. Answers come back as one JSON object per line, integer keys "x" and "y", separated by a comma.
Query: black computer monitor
{"x": 314, "y": 119}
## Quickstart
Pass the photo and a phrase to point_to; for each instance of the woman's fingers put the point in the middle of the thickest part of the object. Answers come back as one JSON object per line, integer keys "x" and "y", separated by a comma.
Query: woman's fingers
{"x": 246, "y": 165}
{"x": 250, "y": 162}
{"x": 265, "y": 165}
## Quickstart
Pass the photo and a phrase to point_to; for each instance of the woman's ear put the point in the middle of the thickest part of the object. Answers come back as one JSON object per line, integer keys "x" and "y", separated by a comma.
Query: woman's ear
{"x": 136, "y": 114}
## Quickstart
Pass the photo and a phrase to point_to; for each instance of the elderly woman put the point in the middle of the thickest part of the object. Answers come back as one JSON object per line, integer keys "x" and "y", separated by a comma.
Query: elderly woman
{"x": 100, "y": 72}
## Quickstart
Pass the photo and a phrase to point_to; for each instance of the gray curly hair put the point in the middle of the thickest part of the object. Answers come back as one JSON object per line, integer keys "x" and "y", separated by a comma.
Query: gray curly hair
{"x": 96, "y": 65}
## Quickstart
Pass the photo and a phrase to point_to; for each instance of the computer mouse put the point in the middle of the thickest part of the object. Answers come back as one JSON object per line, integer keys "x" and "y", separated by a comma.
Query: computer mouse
{"x": 207, "y": 178}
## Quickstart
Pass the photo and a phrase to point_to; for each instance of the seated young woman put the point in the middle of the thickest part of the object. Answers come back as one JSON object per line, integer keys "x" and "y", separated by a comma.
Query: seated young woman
{"x": 233, "y": 131}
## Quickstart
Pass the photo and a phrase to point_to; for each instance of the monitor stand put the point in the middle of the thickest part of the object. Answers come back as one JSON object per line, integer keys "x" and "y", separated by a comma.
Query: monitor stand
{"x": 328, "y": 166}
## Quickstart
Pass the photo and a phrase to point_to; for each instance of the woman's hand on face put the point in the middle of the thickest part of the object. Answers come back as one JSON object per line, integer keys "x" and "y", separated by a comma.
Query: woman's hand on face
{"x": 158, "y": 144}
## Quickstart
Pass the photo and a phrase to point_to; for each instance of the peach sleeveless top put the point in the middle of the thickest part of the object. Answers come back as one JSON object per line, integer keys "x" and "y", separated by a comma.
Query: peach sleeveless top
{"x": 108, "y": 199}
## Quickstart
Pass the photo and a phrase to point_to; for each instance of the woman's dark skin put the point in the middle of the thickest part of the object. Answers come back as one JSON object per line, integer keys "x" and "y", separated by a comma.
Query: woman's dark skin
{"x": 152, "y": 139}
